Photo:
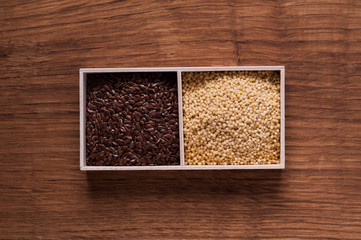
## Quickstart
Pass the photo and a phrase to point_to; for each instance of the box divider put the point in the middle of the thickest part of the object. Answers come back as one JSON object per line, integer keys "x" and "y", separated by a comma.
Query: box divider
{"x": 180, "y": 114}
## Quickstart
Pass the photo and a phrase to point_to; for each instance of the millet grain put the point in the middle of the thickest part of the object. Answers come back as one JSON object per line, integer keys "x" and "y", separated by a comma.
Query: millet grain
{"x": 231, "y": 118}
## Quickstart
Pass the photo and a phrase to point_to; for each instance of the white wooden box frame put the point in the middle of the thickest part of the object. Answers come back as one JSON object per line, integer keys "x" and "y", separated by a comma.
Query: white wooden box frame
{"x": 178, "y": 70}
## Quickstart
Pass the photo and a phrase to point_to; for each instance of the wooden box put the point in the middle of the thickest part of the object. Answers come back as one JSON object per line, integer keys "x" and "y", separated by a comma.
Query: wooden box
{"x": 179, "y": 71}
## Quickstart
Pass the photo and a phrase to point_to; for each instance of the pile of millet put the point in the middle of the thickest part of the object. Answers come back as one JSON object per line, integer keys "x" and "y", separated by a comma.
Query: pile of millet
{"x": 231, "y": 118}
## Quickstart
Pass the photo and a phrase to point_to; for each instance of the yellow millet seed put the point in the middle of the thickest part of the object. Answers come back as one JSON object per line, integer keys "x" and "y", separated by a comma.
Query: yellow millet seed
{"x": 231, "y": 118}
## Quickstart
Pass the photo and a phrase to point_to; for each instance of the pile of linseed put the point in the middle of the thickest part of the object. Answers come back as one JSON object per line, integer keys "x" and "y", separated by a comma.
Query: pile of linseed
{"x": 132, "y": 119}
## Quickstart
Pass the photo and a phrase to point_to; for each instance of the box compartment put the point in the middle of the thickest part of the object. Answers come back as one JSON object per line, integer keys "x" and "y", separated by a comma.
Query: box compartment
{"x": 132, "y": 119}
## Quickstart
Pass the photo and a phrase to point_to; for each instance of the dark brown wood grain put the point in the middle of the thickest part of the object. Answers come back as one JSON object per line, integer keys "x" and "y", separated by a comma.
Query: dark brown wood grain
{"x": 43, "y": 195}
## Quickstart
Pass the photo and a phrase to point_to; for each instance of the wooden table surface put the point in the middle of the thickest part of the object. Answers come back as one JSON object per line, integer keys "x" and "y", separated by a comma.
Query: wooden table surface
{"x": 43, "y": 195}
